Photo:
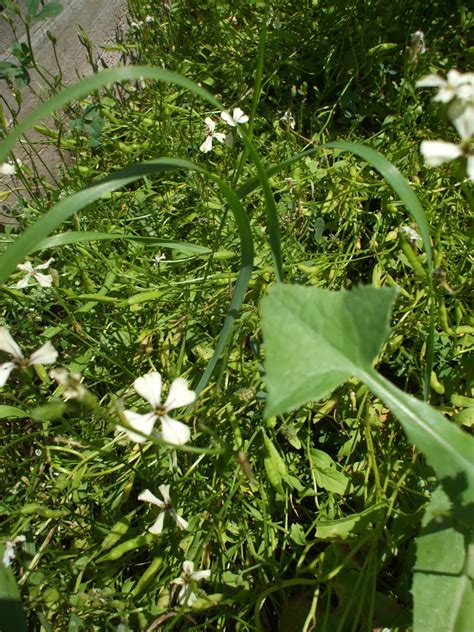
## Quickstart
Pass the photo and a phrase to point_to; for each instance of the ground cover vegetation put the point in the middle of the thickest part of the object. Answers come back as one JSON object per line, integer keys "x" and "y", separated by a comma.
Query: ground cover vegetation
{"x": 299, "y": 487}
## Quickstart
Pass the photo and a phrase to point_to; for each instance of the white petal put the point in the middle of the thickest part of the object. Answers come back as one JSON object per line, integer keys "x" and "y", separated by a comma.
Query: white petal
{"x": 188, "y": 567}
{"x": 174, "y": 432}
{"x": 462, "y": 117}
{"x": 465, "y": 92}
{"x": 9, "y": 345}
{"x": 188, "y": 598}
{"x": 180, "y": 521}
{"x": 143, "y": 423}
{"x": 179, "y": 395}
{"x": 179, "y": 581}
{"x": 435, "y": 152}
{"x": 45, "y": 280}
{"x": 445, "y": 94}
{"x": 148, "y": 497}
{"x": 165, "y": 492}
{"x": 200, "y": 575}
{"x": 26, "y": 267}
{"x": 24, "y": 282}
{"x": 43, "y": 266}
{"x": 411, "y": 234}
{"x": 60, "y": 375}
{"x": 431, "y": 81}
{"x": 239, "y": 116}
{"x": 455, "y": 78}
{"x": 7, "y": 169}
{"x": 206, "y": 145}
{"x": 149, "y": 387}
{"x": 5, "y": 369}
{"x": 225, "y": 116}
{"x": 470, "y": 167}
{"x": 219, "y": 136}
{"x": 185, "y": 596}
{"x": 157, "y": 527}
{"x": 46, "y": 354}
{"x": 210, "y": 124}
{"x": 8, "y": 553}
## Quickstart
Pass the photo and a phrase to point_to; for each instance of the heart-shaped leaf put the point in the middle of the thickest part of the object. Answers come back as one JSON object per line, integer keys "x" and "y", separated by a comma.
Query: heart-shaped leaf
{"x": 316, "y": 339}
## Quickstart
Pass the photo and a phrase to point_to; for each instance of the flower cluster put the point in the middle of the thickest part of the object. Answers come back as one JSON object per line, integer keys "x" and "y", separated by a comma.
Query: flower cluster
{"x": 233, "y": 120}
{"x": 457, "y": 92}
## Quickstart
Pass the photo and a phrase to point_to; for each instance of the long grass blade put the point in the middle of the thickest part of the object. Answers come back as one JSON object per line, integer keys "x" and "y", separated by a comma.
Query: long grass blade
{"x": 75, "y": 237}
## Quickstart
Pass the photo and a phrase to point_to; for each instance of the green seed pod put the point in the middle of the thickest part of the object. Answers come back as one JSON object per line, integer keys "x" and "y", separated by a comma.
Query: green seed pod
{"x": 119, "y": 529}
{"x": 275, "y": 466}
{"x": 461, "y": 401}
{"x": 435, "y": 384}
{"x": 204, "y": 603}
{"x": 412, "y": 258}
{"x": 135, "y": 543}
{"x": 142, "y": 297}
{"x": 443, "y": 316}
{"x": 147, "y": 576}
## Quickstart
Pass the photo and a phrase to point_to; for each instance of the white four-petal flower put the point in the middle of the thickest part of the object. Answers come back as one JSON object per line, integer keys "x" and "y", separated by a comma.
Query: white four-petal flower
{"x": 164, "y": 506}
{"x": 211, "y": 134}
{"x": 45, "y": 280}
{"x": 237, "y": 118}
{"x": 46, "y": 354}
{"x": 288, "y": 119}
{"x": 72, "y": 383}
{"x": 186, "y": 596}
{"x": 457, "y": 85}
{"x": 172, "y": 431}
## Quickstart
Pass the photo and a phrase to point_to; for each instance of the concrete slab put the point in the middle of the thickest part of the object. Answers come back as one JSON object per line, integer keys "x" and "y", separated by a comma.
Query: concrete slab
{"x": 102, "y": 20}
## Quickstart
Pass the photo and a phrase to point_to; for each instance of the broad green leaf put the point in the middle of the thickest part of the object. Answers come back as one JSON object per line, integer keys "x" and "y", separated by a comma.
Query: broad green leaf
{"x": 327, "y": 475}
{"x": 50, "y": 10}
{"x": 275, "y": 466}
{"x": 316, "y": 339}
{"x": 441, "y": 571}
{"x": 32, "y": 7}
{"x": 331, "y": 480}
{"x": 12, "y": 412}
{"x": 12, "y": 617}
{"x": 297, "y": 534}
{"x": 350, "y": 526}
